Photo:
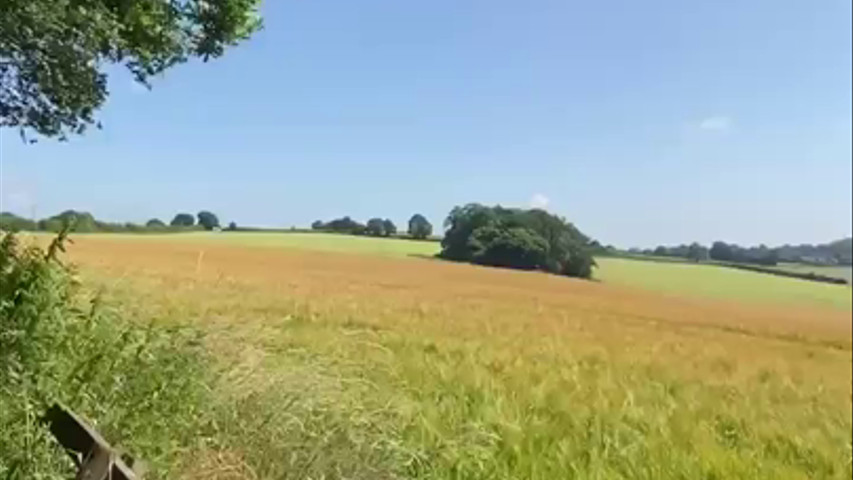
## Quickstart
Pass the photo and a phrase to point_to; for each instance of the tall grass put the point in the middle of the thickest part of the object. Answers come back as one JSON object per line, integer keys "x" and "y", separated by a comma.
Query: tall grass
{"x": 152, "y": 391}
{"x": 143, "y": 388}
{"x": 343, "y": 367}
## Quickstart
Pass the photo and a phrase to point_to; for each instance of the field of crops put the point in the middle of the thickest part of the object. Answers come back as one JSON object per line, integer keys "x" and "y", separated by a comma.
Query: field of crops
{"x": 670, "y": 276}
{"x": 343, "y": 357}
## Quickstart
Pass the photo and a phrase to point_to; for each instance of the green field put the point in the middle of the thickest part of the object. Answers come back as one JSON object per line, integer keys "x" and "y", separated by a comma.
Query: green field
{"x": 721, "y": 283}
{"x": 328, "y": 242}
{"x": 836, "y": 271}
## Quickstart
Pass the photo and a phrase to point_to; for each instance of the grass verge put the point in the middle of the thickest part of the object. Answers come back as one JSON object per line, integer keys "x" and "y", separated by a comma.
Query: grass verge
{"x": 142, "y": 387}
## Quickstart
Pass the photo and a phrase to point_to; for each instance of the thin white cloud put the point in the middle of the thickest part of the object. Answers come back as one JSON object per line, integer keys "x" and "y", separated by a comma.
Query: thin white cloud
{"x": 539, "y": 201}
{"x": 716, "y": 123}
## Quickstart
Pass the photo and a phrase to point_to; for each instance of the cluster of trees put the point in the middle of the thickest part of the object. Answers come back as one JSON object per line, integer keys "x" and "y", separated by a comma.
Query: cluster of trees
{"x": 340, "y": 225}
{"x": 719, "y": 251}
{"x": 834, "y": 253}
{"x": 206, "y": 220}
{"x": 380, "y": 228}
{"x": 86, "y": 222}
{"x": 419, "y": 227}
{"x": 515, "y": 238}
{"x": 695, "y": 252}
{"x": 760, "y": 255}
{"x": 839, "y": 252}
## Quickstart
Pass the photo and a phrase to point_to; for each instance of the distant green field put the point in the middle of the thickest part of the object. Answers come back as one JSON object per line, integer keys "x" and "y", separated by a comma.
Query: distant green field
{"x": 721, "y": 282}
{"x": 836, "y": 271}
{"x": 328, "y": 242}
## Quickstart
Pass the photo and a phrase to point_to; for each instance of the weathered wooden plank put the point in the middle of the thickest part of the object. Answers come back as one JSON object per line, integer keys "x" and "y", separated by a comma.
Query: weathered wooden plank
{"x": 94, "y": 457}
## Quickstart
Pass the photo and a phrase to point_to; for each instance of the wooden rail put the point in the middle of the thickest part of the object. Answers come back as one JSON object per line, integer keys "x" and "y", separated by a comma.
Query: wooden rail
{"x": 94, "y": 458}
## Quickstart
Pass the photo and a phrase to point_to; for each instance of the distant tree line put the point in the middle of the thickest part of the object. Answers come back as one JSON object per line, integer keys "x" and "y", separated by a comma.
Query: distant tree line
{"x": 695, "y": 252}
{"x": 86, "y": 222}
{"x": 760, "y": 255}
{"x": 719, "y": 251}
{"x": 419, "y": 227}
{"x": 515, "y": 238}
{"x": 839, "y": 252}
{"x": 834, "y": 253}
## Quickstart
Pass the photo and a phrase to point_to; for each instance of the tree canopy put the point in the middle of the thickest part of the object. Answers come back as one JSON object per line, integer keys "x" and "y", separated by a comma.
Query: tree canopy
{"x": 77, "y": 221}
{"x": 340, "y": 225}
{"x": 208, "y": 220}
{"x": 11, "y": 222}
{"x": 724, "y": 252}
{"x": 697, "y": 252}
{"x": 509, "y": 237}
{"x": 155, "y": 223}
{"x": 183, "y": 220}
{"x": 388, "y": 227}
{"x": 375, "y": 227}
{"x": 54, "y": 53}
{"x": 419, "y": 226}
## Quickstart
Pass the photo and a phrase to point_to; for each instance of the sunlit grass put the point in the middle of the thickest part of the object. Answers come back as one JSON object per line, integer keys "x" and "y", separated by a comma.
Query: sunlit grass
{"x": 722, "y": 283}
{"x": 681, "y": 279}
{"x": 352, "y": 366}
{"x": 324, "y": 242}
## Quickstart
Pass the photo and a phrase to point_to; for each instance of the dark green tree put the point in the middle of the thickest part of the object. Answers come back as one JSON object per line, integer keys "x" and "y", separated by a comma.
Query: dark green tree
{"x": 9, "y": 222}
{"x": 232, "y": 226}
{"x": 721, "y": 251}
{"x": 343, "y": 225}
{"x": 54, "y": 54}
{"x": 183, "y": 220}
{"x": 419, "y": 226}
{"x": 155, "y": 223}
{"x": 317, "y": 225}
{"x": 682, "y": 251}
{"x": 375, "y": 227}
{"x": 527, "y": 239}
{"x": 514, "y": 247}
{"x": 388, "y": 227}
{"x": 459, "y": 227}
{"x": 208, "y": 220}
{"x": 77, "y": 221}
{"x": 697, "y": 252}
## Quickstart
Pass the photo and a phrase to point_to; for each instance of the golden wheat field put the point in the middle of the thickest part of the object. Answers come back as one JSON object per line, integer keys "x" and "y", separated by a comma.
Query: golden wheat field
{"x": 345, "y": 365}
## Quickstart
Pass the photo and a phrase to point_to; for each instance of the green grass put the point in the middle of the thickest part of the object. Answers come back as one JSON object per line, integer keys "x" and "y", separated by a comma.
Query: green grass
{"x": 311, "y": 241}
{"x": 142, "y": 387}
{"x": 836, "y": 271}
{"x": 721, "y": 283}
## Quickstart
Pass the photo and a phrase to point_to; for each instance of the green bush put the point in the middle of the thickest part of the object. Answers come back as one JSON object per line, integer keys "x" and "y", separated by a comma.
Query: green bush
{"x": 142, "y": 388}
{"x": 13, "y": 223}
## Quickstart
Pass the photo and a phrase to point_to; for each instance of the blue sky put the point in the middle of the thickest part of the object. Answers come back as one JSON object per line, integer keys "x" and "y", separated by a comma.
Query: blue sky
{"x": 643, "y": 122}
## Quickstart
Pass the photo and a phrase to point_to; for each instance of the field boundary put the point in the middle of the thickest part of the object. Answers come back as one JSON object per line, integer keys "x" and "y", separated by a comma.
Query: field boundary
{"x": 815, "y": 277}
